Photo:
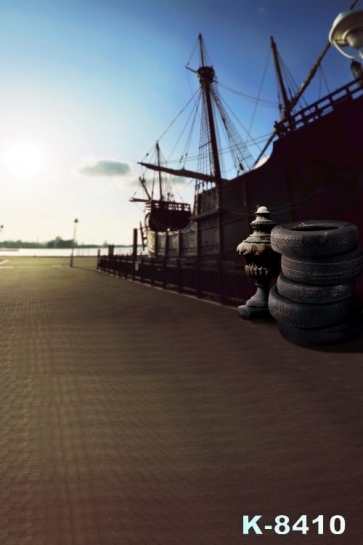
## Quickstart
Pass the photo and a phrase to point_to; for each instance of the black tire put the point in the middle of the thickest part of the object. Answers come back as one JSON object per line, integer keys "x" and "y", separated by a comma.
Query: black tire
{"x": 314, "y": 238}
{"x": 318, "y": 295}
{"x": 307, "y": 316}
{"x": 324, "y": 271}
{"x": 340, "y": 333}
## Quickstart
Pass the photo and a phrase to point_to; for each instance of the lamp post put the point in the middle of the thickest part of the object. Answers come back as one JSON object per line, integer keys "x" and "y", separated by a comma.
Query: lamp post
{"x": 347, "y": 30}
{"x": 74, "y": 238}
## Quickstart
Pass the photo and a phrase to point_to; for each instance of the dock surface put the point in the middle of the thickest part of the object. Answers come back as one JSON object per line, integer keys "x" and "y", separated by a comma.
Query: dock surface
{"x": 134, "y": 416}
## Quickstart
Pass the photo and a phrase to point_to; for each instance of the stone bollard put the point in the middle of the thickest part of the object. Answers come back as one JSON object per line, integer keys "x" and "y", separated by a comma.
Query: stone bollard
{"x": 263, "y": 264}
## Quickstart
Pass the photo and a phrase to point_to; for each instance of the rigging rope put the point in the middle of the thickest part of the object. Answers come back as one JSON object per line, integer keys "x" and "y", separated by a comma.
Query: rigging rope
{"x": 172, "y": 123}
{"x": 193, "y": 52}
{"x": 195, "y": 110}
{"x": 240, "y": 153}
{"x": 262, "y": 102}
{"x": 324, "y": 78}
{"x": 252, "y": 141}
{"x": 259, "y": 91}
{"x": 292, "y": 85}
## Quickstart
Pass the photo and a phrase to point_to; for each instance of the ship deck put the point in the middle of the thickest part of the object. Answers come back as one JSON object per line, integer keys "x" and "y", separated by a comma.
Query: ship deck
{"x": 134, "y": 415}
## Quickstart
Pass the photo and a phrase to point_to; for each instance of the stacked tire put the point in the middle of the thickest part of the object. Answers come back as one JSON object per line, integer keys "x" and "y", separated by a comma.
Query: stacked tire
{"x": 313, "y": 297}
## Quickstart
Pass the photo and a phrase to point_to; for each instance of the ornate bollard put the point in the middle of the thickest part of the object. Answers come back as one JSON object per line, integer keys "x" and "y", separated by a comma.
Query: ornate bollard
{"x": 263, "y": 264}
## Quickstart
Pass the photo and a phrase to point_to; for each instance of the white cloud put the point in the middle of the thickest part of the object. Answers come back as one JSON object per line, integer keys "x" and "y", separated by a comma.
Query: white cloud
{"x": 104, "y": 168}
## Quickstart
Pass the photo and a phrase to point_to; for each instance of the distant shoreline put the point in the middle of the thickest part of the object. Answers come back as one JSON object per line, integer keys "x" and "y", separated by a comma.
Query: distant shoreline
{"x": 78, "y": 251}
{"x": 86, "y": 246}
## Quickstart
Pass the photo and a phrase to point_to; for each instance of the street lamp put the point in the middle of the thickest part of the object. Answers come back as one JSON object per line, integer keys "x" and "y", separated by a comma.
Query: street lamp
{"x": 74, "y": 238}
{"x": 347, "y": 30}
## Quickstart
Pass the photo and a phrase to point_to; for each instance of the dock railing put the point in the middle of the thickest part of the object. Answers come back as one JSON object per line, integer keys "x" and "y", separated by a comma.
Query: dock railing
{"x": 320, "y": 108}
{"x": 221, "y": 281}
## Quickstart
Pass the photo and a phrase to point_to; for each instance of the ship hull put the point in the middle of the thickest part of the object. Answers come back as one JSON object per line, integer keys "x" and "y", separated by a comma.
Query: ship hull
{"x": 314, "y": 172}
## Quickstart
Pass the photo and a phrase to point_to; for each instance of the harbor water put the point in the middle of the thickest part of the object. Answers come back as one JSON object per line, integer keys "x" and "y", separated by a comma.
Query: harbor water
{"x": 61, "y": 252}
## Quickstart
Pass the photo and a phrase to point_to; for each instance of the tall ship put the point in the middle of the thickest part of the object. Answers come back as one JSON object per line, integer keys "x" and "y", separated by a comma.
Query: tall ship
{"x": 314, "y": 170}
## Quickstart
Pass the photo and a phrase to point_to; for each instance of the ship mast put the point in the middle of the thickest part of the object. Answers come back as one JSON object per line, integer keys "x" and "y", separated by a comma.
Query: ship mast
{"x": 161, "y": 197}
{"x": 294, "y": 100}
{"x": 159, "y": 169}
{"x": 287, "y": 104}
{"x": 315, "y": 66}
{"x": 206, "y": 77}
{"x": 209, "y": 166}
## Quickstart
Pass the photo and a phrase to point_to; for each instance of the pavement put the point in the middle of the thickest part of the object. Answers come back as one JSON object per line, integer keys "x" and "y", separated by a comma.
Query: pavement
{"x": 131, "y": 415}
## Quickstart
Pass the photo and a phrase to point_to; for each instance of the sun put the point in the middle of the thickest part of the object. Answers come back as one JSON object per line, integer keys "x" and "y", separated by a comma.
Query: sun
{"x": 23, "y": 159}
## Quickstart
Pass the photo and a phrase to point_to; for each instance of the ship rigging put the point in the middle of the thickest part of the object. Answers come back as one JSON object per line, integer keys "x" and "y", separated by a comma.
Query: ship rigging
{"x": 297, "y": 181}
{"x": 214, "y": 120}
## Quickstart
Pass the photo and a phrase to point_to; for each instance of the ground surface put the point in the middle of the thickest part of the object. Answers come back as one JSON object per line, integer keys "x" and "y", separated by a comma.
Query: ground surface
{"x": 130, "y": 415}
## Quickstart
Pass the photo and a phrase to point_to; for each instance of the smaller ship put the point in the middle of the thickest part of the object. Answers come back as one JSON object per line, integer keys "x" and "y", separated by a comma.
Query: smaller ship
{"x": 162, "y": 213}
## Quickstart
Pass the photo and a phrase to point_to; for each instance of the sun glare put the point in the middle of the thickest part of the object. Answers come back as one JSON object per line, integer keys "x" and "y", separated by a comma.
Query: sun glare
{"x": 23, "y": 160}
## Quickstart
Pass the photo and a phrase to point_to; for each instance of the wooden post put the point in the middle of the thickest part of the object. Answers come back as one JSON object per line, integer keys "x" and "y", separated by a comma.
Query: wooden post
{"x": 197, "y": 272}
{"x": 166, "y": 249}
{"x": 151, "y": 272}
{"x": 134, "y": 252}
{"x": 180, "y": 242}
{"x": 197, "y": 239}
{"x": 164, "y": 274}
{"x": 119, "y": 259}
{"x": 156, "y": 244}
{"x": 178, "y": 274}
{"x": 222, "y": 291}
{"x": 134, "y": 245}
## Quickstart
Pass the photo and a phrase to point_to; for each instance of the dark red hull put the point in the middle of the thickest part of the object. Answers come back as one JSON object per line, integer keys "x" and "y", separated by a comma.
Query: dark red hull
{"x": 314, "y": 172}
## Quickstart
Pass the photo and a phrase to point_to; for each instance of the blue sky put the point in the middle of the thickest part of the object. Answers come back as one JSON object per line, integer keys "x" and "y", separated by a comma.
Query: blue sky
{"x": 88, "y": 82}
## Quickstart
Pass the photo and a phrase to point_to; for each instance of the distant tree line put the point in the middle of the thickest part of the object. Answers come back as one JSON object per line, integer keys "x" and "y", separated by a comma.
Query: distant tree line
{"x": 57, "y": 242}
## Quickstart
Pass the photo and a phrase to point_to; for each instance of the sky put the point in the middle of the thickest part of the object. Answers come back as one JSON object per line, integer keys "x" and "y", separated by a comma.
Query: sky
{"x": 88, "y": 86}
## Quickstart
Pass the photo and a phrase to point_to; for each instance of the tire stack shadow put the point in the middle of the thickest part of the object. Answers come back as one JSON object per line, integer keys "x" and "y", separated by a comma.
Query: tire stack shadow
{"x": 313, "y": 299}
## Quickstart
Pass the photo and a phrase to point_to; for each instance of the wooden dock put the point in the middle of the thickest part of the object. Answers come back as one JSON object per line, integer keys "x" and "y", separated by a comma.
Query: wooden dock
{"x": 132, "y": 415}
